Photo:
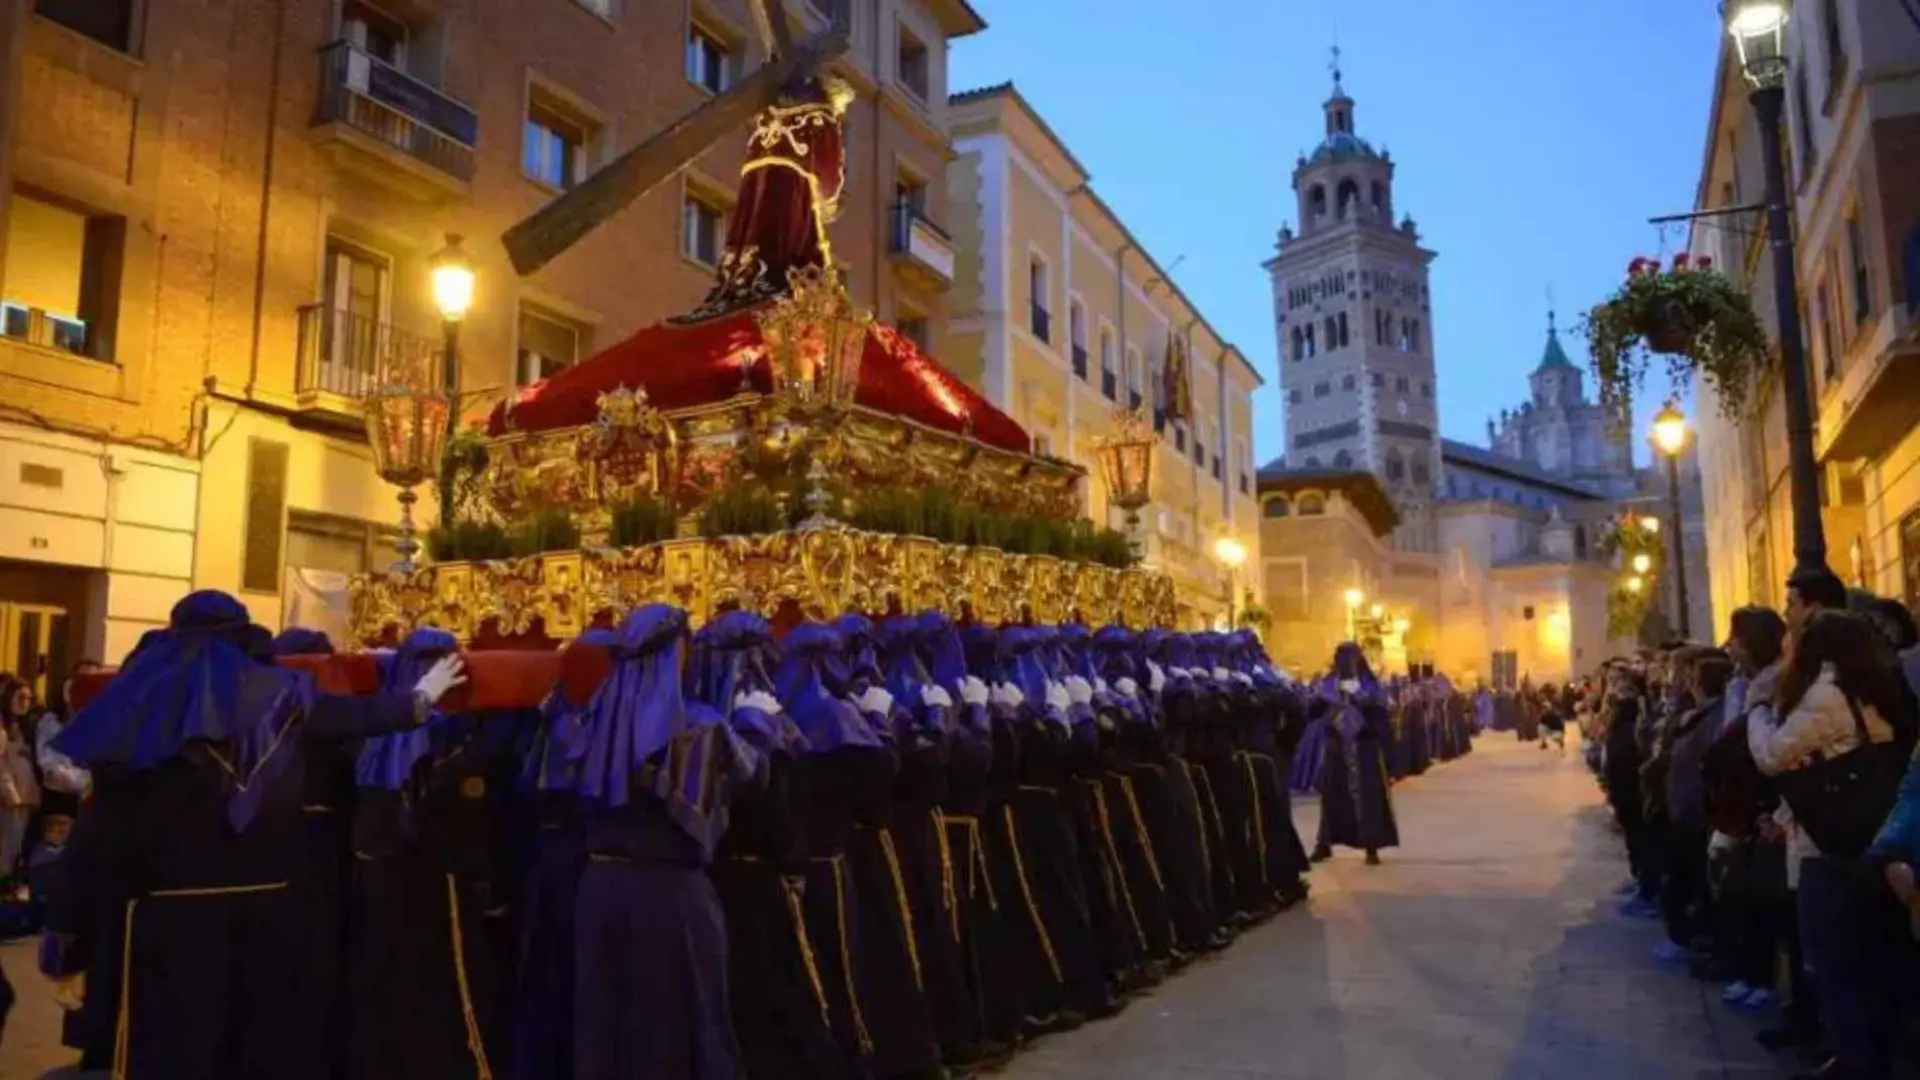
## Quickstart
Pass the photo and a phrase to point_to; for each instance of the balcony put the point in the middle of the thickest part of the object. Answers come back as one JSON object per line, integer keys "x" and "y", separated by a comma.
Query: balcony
{"x": 1080, "y": 361}
{"x": 1133, "y": 399}
{"x": 1109, "y": 384}
{"x": 343, "y": 356}
{"x": 393, "y": 129}
{"x": 921, "y": 249}
{"x": 1872, "y": 405}
{"x": 1040, "y": 321}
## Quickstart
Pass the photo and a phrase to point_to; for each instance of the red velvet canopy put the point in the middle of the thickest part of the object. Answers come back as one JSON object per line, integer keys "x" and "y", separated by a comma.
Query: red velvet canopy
{"x": 680, "y": 366}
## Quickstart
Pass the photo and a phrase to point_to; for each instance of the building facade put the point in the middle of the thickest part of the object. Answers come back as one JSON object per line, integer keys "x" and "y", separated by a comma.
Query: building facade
{"x": 1559, "y": 430}
{"x": 203, "y": 264}
{"x": 1852, "y": 141}
{"x": 1063, "y": 319}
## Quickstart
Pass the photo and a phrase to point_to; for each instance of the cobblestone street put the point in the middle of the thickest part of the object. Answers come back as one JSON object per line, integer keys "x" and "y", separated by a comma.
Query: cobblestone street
{"x": 1486, "y": 947}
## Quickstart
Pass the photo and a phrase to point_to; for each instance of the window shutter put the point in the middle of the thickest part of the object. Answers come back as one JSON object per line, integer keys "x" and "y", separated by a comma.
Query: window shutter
{"x": 266, "y": 515}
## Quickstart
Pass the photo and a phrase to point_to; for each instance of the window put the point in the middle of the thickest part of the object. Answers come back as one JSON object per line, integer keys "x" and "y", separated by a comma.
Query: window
{"x": 354, "y": 332}
{"x": 1396, "y": 465}
{"x": 1077, "y": 336}
{"x": 553, "y": 149}
{"x": 109, "y": 22}
{"x": 709, "y": 64}
{"x": 1310, "y": 349}
{"x": 1379, "y": 381}
{"x": 62, "y": 288}
{"x": 1342, "y": 460}
{"x": 1108, "y": 383}
{"x": 1422, "y": 468}
{"x": 1828, "y": 343}
{"x": 911, "y": 192}
{"x": 1333, "y": 334}
{"x": 914, "y": 65}
{"x": 1803, "y": 122}
{"x": 375, "y": 33}
{"x": 1343, "y": 329}
{"x": 701, "y": 231}
{"x": 1347, "y": 383}
{"x": 916, "y": 329}
{"x": 1299, "y": 345}
{"x": 1321, "y": 390}
{"x": 1133, "y": 377}
{"x": 1862, "y": 279}
{"x": 1294, "y": 396}
{"x": 265, "y": 515}
{"x": 1378, "y": 193}
{"x": 548, "y": 345}
{"x": 1413, "y": 335}
{"x": 1277, "y": 507}
{"x": 1040, "y": 317}
{"x": 1426, "y": 389}
{"x": 1349, "y": 195}
{"x": 1400, "y": 383}
{"x": 1836, "y": 47}
{"x": 1311, "y": 504}
{"x": 1317, "y": 201}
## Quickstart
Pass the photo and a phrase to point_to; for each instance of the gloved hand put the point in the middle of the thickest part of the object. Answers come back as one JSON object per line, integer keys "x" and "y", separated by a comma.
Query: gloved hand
{"x": 1156, "y": 678}
{"x": 1221, "y": 674}
{"x": 757, "y": 699}
{"x": 1057, "y": 697}
{"x": 936, "y": 696}
{"x": 446, "y": 673}
{"x": 1009, "y": 695}
{"x": 1099, "y": 685}
{"x": 974, "y": 692}
{"x": 876, "y": 699}
{"x": 1079, "y": 690}
{"x": 1127, "y": 686}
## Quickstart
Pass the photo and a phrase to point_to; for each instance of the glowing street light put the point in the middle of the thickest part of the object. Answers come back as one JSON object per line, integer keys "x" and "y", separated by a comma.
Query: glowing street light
{"x": 1635, "y": 584}
{"x": 1670, "y": 437}
{"x": 1642, "y": 563}
{"x": 1354, "y": 598}
{"x": 452, "y": 275}
{"x": 1232, "y": 555}
{"x": 1650, "y": 523}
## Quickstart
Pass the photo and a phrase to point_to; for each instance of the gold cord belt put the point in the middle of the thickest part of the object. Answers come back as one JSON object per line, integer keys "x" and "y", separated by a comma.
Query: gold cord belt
{"x": 1026, "y": 891}
{"x": 123, "y": 1029}
{"x": 1258, "y": 827}
{"x": 475, "y": 1044}
{"x": 1112, "y": 853}
{"x": 792, "y": 892}
{"x": 900, "y": 899}
{"x": 838, "y": 865}
{"x": 976, "y": 858}
{"x": 949, "y": 899}
{"x": 1200, "y": 816}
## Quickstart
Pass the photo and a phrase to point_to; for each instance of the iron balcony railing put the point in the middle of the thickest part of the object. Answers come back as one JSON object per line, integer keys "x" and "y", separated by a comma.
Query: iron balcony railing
{"x": 348, "y": 354}
{"x": 904, "y": 216}
{"x": 1080, "y": 361}
{"x": 1109, "y": 384}
{"x": 379, "y": 100}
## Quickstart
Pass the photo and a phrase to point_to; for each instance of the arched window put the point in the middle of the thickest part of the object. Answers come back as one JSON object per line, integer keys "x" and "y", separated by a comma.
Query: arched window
{"x": 1317, "y": 200}
{"x": 1343, "y": 329}
{"x": 1396, "y": 465}
{"x": 1343, "y": 460}
{"x": 1298, "y": 343}
{"x": 1349, "y": 197}
{"x": 1312, "y": 463}
{"x": 1422, "y": 468}
{"x": 1413, "y": 336}
{"x": 1311, "y": 351}
{"x": 1278, "y": 507}
{"x": 1347, "y": 383}
{"x": 1311, "y": 504}
{"x": 1333, "y": 334}
{"x": 1378, "y": 192}
{"x": 1406, "y": 335}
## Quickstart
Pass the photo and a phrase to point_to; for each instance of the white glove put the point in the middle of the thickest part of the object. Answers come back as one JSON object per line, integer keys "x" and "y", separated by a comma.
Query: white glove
{"x": 1243, "y": 678}
{"x": 877, "y": 699}
{"x": 936, "y": 696}
{"x": 1127, "y": 686}
{"x": 1079, "y": 690}
{"x": 1057, "y": 697}
{"x": 1009, "y": 695}
{"x": 1350, "y": 686}
{"x": 1156, "y": 678}
{"x": 446, "y": 673}
{"x": 757, "y": 699}
{"x": 1221, "y": 674}
{"x": 974, "y": 692}
{"x": 1099, "y": 685}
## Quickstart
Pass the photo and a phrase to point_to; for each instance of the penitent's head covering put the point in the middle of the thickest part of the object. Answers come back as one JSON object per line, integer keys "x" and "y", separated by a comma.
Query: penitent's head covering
{"x": 855, "y": 665}
{"x": 202, "y": 679}
{"x": 386, "y": 761}
{"x": 639, "y": 709}
{"x": 941, "y": 651}
{"x": 300, "y": 641}
{"x": 829, "y": 722}
{"x": 733, "y": 655}
{"x": 558, "y": 742}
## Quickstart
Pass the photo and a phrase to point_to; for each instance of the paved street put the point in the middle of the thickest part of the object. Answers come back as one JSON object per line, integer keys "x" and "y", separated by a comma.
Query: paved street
{"x": 1486, "y": 947}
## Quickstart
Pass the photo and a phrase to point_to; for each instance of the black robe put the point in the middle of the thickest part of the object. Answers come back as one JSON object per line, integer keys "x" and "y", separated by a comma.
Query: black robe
{"x": 1356, "y": 807}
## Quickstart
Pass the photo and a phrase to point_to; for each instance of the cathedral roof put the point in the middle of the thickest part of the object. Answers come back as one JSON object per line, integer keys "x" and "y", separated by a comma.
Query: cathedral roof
{"x": 1343, "y": 146}
{"x": 1455, "y": 452}
{"x": 1555, "y": 357}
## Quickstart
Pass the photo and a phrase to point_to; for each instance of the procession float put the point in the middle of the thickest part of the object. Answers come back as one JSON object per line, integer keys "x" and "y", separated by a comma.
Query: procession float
{"x": 776, "y": 449}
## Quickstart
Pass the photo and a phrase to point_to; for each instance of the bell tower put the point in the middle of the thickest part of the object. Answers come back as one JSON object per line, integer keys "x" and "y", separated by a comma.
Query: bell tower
{"x": 1353, "y": 315}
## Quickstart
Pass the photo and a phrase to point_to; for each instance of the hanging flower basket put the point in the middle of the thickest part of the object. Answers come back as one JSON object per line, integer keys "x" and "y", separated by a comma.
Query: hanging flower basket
{"x": 1691, "y": 314}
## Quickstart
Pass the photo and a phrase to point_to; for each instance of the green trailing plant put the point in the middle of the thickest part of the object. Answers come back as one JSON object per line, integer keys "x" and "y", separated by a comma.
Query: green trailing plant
{"x": 743, "y": 510}
{"x": 467, "y": 540}
{"x": 937, "y": 514}
{"x": 548, "y": 528}
{"x": 1693, "y": 315}
{"x": 463, "y": 465}
{"x": 1256, "y": 617}
{"x": 640, "y": 521}
{"x": 1625, "y": 539}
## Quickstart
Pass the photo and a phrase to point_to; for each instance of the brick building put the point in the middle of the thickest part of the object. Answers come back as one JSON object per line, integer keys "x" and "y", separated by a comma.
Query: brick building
{"x": 216, "y": 229}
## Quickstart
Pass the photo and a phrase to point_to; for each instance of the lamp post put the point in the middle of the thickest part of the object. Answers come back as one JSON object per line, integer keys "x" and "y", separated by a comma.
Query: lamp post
{"x": 1759, "y": 32}
{"x": 1670, "y": 438}
{"x": 1354, "y": 598}
{"x": 1126, "y": 463}
{"x": 1642, "y": 563}
{"x": 1232, "y": 555}
{"x": 453, "y": 275}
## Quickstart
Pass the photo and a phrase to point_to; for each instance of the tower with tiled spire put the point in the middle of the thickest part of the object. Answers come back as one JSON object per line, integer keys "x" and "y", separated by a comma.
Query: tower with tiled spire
{"x": 1558, "y": 430}
{"x": 1351, "y": 309}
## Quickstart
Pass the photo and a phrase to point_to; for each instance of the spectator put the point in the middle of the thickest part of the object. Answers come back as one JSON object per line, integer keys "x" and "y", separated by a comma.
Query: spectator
{"x": 19, "y": 782}
{"x": 1837, "y": 682}
{"x": 64, "y": 782}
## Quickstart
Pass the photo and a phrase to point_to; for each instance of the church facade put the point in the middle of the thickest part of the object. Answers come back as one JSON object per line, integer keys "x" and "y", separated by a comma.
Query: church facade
{"x": 1485, "y": 562}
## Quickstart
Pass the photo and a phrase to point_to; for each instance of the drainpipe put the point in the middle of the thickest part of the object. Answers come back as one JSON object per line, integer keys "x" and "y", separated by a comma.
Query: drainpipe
{"x": 1120, "y": 285}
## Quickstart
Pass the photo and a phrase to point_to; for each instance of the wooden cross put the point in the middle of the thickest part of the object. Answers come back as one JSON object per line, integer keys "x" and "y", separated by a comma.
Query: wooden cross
{"x": 549, "y": 231}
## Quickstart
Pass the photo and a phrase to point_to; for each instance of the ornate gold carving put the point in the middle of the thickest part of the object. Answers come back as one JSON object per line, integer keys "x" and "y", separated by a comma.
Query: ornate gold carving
{"x": 826, "y": 572}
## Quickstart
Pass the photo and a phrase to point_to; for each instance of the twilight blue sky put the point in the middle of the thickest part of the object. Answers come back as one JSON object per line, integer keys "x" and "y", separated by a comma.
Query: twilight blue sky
{"x": 1532, "y": 138}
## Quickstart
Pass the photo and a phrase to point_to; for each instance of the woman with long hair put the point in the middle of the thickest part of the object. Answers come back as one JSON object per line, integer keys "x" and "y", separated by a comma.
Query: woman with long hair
{"x": 19, "y": 779}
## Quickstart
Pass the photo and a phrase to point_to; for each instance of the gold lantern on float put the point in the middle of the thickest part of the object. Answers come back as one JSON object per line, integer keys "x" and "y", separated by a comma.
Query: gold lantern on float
{"x": 1126, "y": 463}
{"x": 816, "y": 342}
{"x": 406, "y": 421}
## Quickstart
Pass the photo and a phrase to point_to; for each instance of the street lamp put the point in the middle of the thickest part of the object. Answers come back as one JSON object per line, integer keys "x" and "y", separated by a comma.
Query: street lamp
{"x": 1670, "y": 437}
{"x": 1635, "y": 584}
{"x": 452, "y": 273}
{"x": 1354, "y": 598}
{"x": 1642, "y": 563}
{"x": 1759, "y": 32}
{"x": 1650, "y": 523}
{"x": 1232, "y": 555}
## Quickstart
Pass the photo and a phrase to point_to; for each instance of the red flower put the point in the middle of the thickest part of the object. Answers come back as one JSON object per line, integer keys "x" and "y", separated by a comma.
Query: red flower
{"x": 1680, "y": 262}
